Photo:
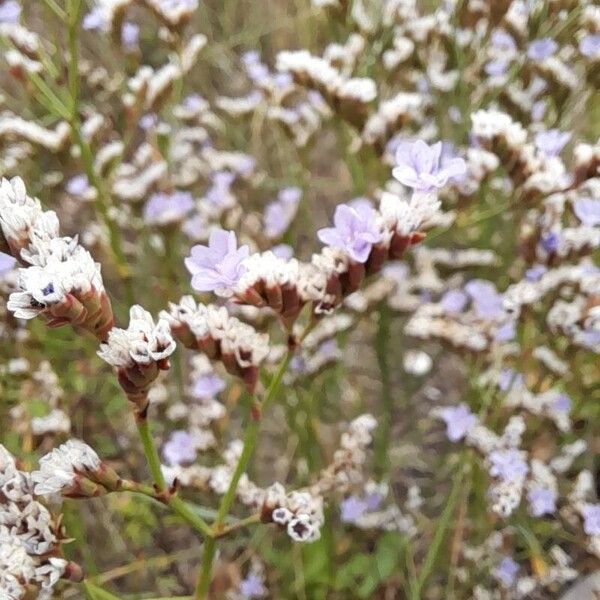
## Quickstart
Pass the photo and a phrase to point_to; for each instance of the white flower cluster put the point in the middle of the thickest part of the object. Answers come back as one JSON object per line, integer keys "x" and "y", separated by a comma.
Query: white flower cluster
{"x": 220, "y": 336}
{"x": 299, "y": 512}
{"x": 29, "y": 537}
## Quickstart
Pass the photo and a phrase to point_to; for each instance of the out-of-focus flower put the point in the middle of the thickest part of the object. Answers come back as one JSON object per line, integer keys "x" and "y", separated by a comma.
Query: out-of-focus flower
{"x": 130, "y": 34}
{"x": 502, "y": 40}
{"x": 218, "y": 266}
{"x": 208, "y": 386}
{"x": 454, "y": 301}
{"x": 506, "y": 571}
{"x": 79, "y": 186}
{"x": 542, "y": 49}
{"x": 508, "y": 464}
{"x": 95, "y": 20}
{"x": 590, "y": 45}
{"x": 424, "y": 168}
{"x": 587, "y": 211}
{"x": 459, "y": 419}
{"x": 591, "y": 519}
{"x": 496, "y": 67}
{"x": 355, "y": 231}
{"x": 7, "y": 263}
{"x": 252, "y": 586}
{"x": 163, "y": 209}
{"x": 352, "y": 509}
{"x": 552, "y": 141}
{"x": 542, "y": 501}
{"x": 535, "y": 272}
{"x": 10, "y": 11}
{"x": 180, "y": 449}
{"x": 280, "y": 214}
{"x": 219, "y": 194}
{"x": 487, "y": 302}
{"x": 283, "y": 251}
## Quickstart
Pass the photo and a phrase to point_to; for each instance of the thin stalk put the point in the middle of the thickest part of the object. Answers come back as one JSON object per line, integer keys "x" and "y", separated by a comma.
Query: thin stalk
{"x": 382, "y": 349}
{"x": 440, "y": 533}
{"x": 250, "y": 437}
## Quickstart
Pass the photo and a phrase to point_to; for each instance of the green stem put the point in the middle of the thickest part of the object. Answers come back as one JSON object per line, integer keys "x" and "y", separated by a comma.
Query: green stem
{"x": 250, "y": 437}
{"x": 440, "y": 533}
{"x": 382, "y": 349}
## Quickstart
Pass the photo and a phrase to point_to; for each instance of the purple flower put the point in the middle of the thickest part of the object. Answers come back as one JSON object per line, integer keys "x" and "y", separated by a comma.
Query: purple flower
{"x": 162, "y": 209}
{"x": 283, "y": 251}
{"x": 459, "y": 419}
{"x": 7, "y": 263}
{"x": 454, "y": 301}
{"x": 542, "y": 501}
{"x": 130, "y": 33}
{"x": 219, "y": 265}
{"x": 538, "y": 110}
{"x": 352, "y": 509}
{"x": 280, "y": 214}
{"x": 587, "y": 211}
{"x": 148, "y": 121}
{"x": 10, "y": 11}
{"x": 218, "y": 194}
{"x": 194, "y": 102}
{"x": 502, "y": 40}
{"x": 591, "y": 519}
{"x": 78, "y": 186}
{"x": 551, "y": 142}
{"x": 487, "y": 302}
{"x": 590, "y": 45}
{"x": 95, "y": 20}
{"x": 509, "y": 379}
{"x": 562, "y": 404}
{"x": 252, "y": 586}
{"x": 507, "y": 465}
{"x": 550, "y": 242}
{"x": 207, "y": 387}
{"x": 505, "y": 332}
{"x": 373, "y": 501}
{"x": 355, "y": 231}
{"x": 423, "y": 168}
{"x": 535, "y": 273}
{"x": 506, "y": 571}
{"x": 179, "y": 449}
{"x": 496, "y": 68}
{"x": 542, "y": 49}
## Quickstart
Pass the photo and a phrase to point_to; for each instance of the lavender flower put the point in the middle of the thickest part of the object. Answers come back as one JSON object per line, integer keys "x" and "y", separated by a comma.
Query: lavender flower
{"x": 541, "y": 49}
{"x": 180, "y": 449}
{"x": 508, "y": 465}
{"x": 163, "y": 209}
{"x": 459, "y": 419}
{"x": 7, "y": 263}
{"x": 280, "y": 214}
{"x": 352, "y": 509}
{"x": 10, "y": 11}
{"x": 587, "y": 211}
{"x": 424, "y": 168}
{"x": 590, "y": 45}
{"x": 550, "y": 242}
{"x": 509, "y": 379}
{"x": 502, "y": 40}
{"x": 535, "y": 273}
{"x": 551, "y": 142}
{"x": 542, "y": 501}
{"x": 454, "y": 301}
{"x": 283, "y": 251}
{"x": 506, "y": 571}
{"x": 252, "y": 586}
{"x": 208, "y": 386}
{"x": 78, "y": 186}
{"x": 355, "y": 231}
{"x": 130, "y": 33}
{"x": 220, "y": 191}
{"x": 218, "y": 266}
{"x": 95, "y": 20}
{"x": 495, "y": 68}
{"x": 487, "y": 302}
{"x": 591, "y": 519}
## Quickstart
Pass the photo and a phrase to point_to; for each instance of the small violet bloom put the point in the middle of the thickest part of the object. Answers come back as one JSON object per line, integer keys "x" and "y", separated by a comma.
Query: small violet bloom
{"x": 551, "y": 142}
{"x": 283, "y": 251}
{"x": 454, "y": 301}
{"x": 502, "y": 40}
{"x": 562, "y": 404}
{"x": 505, "y": 332}
{"x": 459, "y": 419}
{"x": 591, "y": 519}
{"x": 10, "y": 11}
{"x": 550, "y": 242}
{"x": 352, "y": 509}
{"x": 78, "y": 186}
{"x": 179, "y": 449}
{"x": 163, "y": 209}
{"x": 542, "y": 501}
{"x": 587, "y": 211}
{"x": 207, "y": 387}
{"x": 280, "y": 213}
{"x": 219, "y": 193}
{"x": 218, "y": 266}
{"x": 252, "y": 586}
{"x": 487, "y": 302}
{"x": 424, "y": 168}
{"x": 508, "y": 465}
{"x": 506, "y": 571}
{"x": 535, "y": 273}
{"x": 7, "y": 263}
{"x": 130, "y": 34}
{"x": 495, "y": 68}
{"x": 355, "y": 231}
{"x": 509, "y": 379}
{"x": 590, "y": 45}
{"x": 95, "y": 20}
{"x": 542, "y": 49}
